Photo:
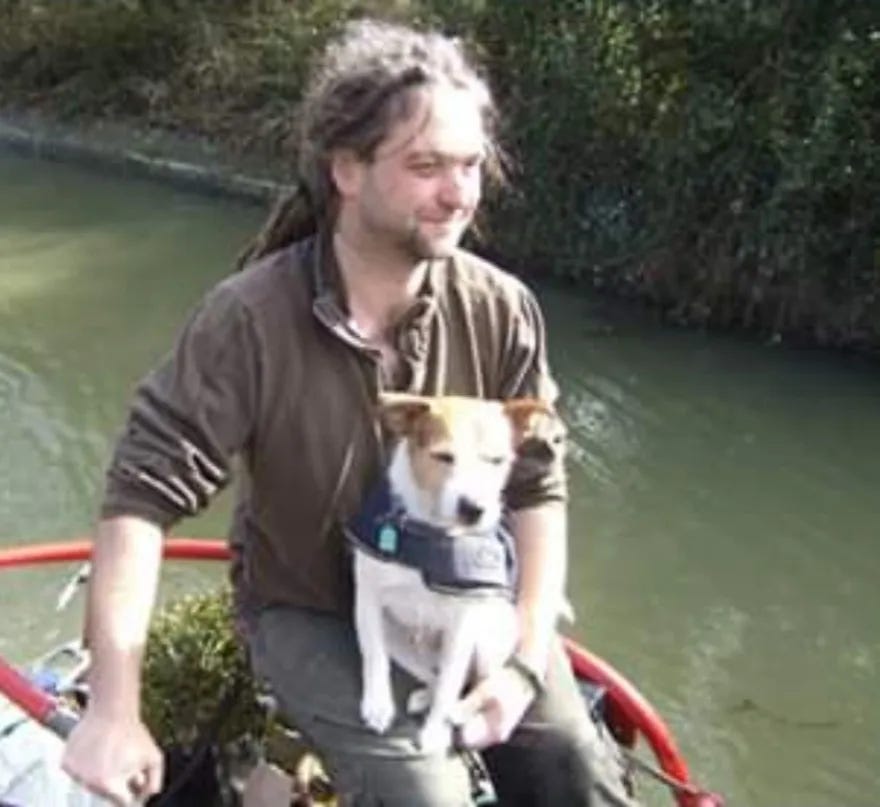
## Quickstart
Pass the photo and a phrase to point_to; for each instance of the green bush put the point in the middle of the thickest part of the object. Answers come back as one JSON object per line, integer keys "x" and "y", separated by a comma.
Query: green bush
{"x": 194, "y": 666}
{"x": 717, "y": 158}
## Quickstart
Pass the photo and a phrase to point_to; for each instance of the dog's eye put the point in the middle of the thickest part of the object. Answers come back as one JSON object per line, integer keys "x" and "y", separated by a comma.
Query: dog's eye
{"x": 494, "y": 459}
{"x": 446, "y": 457}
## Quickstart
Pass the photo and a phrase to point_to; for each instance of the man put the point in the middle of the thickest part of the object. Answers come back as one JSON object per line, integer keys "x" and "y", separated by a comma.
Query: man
{"x": 355, "y": 285}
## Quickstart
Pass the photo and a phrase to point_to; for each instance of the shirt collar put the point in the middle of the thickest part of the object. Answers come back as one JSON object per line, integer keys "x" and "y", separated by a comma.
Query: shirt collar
{"x": 330, "y": 305}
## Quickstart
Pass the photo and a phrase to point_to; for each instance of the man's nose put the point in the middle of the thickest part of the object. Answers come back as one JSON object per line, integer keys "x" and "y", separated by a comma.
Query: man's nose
{"x": 460, "y": 189}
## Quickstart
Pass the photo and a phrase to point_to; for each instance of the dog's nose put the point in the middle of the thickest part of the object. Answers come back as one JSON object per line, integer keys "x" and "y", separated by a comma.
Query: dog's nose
{"x": 469, "y": 511}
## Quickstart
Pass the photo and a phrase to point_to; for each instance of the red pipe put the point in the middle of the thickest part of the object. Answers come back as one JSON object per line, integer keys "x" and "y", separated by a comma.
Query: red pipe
{"x": 629, "y": 705}
{"x": 32, "y": 700}
{"x": 634, "y": 710}
{"x": 81, "y": 549}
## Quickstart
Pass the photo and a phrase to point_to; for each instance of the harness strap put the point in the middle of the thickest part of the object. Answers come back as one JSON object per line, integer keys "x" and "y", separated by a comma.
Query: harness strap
{"x": 460, "y": 563}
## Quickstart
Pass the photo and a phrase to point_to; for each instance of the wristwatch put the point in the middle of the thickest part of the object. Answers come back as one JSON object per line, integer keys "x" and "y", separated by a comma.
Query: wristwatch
{"x": 527, "y": 673}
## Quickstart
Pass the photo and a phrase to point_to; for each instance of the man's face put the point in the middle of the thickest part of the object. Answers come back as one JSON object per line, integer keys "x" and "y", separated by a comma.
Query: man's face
{"x": 420, "y": 191}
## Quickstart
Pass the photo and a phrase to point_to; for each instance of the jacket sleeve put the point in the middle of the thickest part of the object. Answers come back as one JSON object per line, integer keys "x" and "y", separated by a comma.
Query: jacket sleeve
{"x": 188, "y": 418}
{"x": 538, "y": 475}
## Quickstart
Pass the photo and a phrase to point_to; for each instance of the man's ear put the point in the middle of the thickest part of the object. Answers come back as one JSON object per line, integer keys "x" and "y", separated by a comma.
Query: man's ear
{"x": 400, "y": 410}
{"x": 524, "y": 415}
{"x": 346, "y": 171}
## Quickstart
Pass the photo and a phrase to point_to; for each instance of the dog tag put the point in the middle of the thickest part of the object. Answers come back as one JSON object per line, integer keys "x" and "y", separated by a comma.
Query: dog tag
{"x": 388, "y": 539}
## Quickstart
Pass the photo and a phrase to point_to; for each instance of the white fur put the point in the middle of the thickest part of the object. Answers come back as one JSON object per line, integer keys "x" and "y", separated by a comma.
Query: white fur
{"x": 481, "y": 483}
{"x": 441, "y": 639}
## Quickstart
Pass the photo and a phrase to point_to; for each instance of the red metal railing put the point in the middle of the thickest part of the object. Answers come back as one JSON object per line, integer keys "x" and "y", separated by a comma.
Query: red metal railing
{"x": 630, "y": 712}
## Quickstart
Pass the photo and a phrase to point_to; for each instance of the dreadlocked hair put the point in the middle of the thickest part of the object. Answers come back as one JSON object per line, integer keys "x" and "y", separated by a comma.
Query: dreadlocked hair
{"x": 362, "y": 86}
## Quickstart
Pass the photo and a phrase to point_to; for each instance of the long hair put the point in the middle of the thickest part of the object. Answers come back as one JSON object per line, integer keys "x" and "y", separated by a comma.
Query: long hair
{"x": 361, "y": 87}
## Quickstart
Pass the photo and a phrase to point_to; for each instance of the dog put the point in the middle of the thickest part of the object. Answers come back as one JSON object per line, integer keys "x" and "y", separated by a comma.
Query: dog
{"x": 450, "y": 461}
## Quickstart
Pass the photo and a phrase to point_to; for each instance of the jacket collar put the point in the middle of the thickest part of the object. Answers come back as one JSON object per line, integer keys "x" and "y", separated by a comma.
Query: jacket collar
{"x": 330, "y": 306}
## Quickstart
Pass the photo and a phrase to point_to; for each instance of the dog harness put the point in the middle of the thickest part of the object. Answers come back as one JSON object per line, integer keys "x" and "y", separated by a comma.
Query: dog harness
{"x": 469, "y": 562}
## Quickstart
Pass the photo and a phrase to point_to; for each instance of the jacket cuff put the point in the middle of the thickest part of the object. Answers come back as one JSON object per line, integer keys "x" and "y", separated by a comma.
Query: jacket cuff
{"x": 133, "y": 501}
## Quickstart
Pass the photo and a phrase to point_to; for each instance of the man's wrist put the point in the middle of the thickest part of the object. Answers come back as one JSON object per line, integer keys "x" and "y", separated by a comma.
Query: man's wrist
{"x": 528, "y": 674}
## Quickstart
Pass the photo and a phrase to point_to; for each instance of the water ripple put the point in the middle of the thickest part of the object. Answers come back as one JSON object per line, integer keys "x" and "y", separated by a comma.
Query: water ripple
{"x": 50, "y": 455}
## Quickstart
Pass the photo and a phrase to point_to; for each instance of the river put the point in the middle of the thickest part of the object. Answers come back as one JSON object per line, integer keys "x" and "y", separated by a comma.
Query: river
{"x": 725, "y": 549}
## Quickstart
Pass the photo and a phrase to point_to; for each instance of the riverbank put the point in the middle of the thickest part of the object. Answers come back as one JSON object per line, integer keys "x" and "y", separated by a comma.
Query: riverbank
{"x": 132, "y": 149}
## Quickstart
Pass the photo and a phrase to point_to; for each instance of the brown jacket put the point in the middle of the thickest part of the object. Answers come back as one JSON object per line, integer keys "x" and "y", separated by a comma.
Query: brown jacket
{"x": 267, "y": 370}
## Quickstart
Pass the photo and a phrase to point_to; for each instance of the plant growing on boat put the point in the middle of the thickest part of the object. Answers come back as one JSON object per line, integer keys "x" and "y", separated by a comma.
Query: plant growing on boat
{"x": 194, "y": 667}
{"x": 198, "y": 690}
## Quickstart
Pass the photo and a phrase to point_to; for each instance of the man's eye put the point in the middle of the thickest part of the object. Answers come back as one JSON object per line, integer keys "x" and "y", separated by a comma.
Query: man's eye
{"x": 494, "y": 459}
{"x": 426, "y": 169}
{"x": 446, "y": 457}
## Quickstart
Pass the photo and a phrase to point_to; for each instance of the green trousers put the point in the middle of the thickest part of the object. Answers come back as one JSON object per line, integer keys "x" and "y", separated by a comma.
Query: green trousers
{"x": 557, "y": 756}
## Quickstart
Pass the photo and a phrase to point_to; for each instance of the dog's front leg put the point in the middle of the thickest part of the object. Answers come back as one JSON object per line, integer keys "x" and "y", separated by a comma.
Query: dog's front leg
{"x": 377, "y": 699}
{"x": 455, "y": 660}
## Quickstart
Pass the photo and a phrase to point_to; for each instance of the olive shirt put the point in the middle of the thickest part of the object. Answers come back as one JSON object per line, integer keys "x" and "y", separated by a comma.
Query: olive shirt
{"x": 268, "y": 370}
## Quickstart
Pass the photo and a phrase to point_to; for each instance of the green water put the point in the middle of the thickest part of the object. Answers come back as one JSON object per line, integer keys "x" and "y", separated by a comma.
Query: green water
{"x": 725, "y": 547}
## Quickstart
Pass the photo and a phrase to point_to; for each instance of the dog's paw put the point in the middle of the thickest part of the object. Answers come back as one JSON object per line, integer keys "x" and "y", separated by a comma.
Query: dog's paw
{"x": 435, "y": 737}
{"x": 377, "y": 710}
{"x": 419, "y": 701}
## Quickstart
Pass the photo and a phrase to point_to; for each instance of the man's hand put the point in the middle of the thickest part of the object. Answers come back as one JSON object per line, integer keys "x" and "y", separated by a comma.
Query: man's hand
{"x": 490, "y": 712}
{"x": 111, "y": 752}
{"x": 114, "y": 758}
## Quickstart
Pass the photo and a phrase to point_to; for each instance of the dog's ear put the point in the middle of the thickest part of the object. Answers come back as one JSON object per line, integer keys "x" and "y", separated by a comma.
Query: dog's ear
{"x": 399, "y": 410}
{"x": 523, "y": 414}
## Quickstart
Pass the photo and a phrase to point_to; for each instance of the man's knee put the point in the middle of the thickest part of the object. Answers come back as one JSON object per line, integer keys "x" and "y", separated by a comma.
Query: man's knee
{"x": 558, "y": 765}
{"x": 372, "y": 781}
{"x": 540, "y": 769}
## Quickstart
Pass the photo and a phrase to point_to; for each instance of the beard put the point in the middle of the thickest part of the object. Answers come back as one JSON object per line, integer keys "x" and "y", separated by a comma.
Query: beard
{"x": 412, "y": 237}
{"x": 421, "y": 244}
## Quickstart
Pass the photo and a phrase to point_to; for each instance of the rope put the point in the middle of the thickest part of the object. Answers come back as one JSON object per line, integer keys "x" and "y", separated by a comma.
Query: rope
{"x": 664, "y": 778}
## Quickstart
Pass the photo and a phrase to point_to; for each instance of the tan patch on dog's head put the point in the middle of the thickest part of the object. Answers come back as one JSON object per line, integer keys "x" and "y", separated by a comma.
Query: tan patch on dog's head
{"x": 460, "y": 449}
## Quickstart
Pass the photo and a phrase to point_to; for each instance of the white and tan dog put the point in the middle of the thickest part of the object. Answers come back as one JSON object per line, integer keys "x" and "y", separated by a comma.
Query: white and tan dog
{"x": 448, "y": 470}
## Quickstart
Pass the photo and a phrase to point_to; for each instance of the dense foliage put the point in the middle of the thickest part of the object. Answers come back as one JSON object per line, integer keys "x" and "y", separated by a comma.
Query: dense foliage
{"x": 720, "y": 158}
{"x": 195, "y": 666}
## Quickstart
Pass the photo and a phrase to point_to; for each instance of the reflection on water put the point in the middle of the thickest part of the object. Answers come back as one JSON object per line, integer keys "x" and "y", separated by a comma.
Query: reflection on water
{"x": 95, "y": 277}
{"x": 727, "y": 547}
{"x": 724, "y": 495}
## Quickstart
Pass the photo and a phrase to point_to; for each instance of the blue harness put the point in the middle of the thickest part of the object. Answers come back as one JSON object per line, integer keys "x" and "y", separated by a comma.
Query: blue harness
{"x": 466, "y": 563}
